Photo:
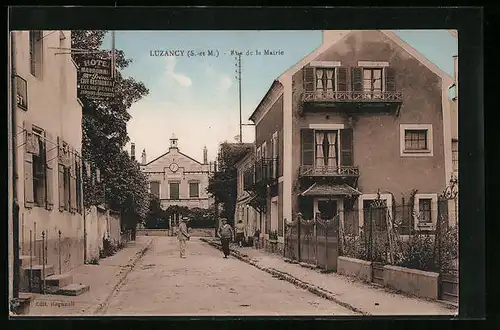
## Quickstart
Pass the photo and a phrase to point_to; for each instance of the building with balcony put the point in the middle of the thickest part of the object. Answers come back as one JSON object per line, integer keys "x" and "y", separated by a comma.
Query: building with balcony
{"x": 178, "y": 179}
{"x": 364, "y": 115}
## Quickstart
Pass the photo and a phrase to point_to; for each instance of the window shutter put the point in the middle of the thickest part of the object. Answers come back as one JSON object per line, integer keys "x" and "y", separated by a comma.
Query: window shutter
{"x": 357, "y": 79}
{"x": 49, "y": 180}
{"x": 346, "y": 152}
{"x": 308, "y": 79}
{"x": 341, "y": 79}
{"x": 28, "y": 170}
{"x": 307, "y": 143}
{"x": 72, "y": 183}
{"x": 390, "y": 79}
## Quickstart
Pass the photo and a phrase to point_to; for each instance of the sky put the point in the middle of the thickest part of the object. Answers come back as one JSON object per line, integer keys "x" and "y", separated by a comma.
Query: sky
{"x": 196, "y": 98}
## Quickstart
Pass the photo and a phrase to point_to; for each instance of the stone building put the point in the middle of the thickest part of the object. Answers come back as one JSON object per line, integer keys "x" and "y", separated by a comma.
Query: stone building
{"x": 178, "y": 179}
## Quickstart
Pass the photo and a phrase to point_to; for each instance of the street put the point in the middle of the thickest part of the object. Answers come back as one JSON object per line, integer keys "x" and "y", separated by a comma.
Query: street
{"x": 206, "y": 284}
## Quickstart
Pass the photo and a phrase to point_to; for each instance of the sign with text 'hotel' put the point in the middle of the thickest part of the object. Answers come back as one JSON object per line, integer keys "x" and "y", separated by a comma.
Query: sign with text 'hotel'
{"x": 95, "y": 81}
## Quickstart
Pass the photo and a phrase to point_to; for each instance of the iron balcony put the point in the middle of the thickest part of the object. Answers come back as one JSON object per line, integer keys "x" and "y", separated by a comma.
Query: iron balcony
{"x": 330, "y": 97}
{"x": 328, "y": 171}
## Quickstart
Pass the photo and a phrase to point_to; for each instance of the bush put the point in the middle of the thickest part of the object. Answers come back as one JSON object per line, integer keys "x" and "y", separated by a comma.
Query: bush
{"x": 418, "y": 253}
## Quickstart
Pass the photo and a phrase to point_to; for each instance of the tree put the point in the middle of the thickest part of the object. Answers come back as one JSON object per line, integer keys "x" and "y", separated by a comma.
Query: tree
{"x": 223, "y": 184}
{"x": 123, "y": 186}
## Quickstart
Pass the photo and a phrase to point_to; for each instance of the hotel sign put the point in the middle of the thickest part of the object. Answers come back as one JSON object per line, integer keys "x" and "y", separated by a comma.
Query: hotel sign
{"x": 22, "y": 93}
{"x": 95, "y": 81}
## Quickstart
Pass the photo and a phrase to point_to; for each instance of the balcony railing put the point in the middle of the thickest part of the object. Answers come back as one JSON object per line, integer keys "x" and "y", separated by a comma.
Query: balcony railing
{"x": 266, "y": 169}
{"x": 312, "y": 170}
{"x": 350, "y": 96}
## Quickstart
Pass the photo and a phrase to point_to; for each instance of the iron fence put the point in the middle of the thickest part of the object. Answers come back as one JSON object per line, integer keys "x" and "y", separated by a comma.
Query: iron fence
{"x": 381, "y": 233}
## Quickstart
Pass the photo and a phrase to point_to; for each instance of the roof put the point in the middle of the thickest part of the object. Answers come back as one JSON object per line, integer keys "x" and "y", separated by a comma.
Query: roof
{"x": 248, "y": 154}
{"x": 154, "y": 160}
{"x": 328, "y": 189}
{"x": 275, "y": 84}
{"x": 341, "y": 34}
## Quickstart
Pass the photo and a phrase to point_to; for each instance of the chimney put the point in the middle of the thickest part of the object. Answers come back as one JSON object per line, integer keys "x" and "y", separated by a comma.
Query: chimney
{"x": 143, "y": 157}
{"x": 132, "y": 151}
{"x": 205, "y": 155}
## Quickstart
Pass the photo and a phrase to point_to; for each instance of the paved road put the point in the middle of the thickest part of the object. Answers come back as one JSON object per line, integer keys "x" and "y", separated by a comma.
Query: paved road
{"x": 206, "y": 284}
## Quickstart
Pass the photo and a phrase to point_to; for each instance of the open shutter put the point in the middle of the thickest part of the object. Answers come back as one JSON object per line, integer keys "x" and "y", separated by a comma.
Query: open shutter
{"x": 307, "y": 146}
{"x": 341, "y": 79}
{"x": 390, "y": 79}
{"x": 357, "y": 79}
{"x": 49, "y": 170}
{"x": 72, "y": 182}
{"x": 309, "y": 79}
{"x": 60, "y": 174}
{"x": 346, "y": 148}
{"x": 28, "y": 168}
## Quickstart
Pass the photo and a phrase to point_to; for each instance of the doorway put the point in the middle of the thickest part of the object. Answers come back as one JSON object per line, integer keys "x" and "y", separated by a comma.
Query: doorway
{"x": 328, "y": 208}
{"x": 274, "y": 214}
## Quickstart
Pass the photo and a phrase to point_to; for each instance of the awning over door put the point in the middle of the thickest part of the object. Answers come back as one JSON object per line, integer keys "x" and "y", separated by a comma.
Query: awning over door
{"x": 325, "y": 190}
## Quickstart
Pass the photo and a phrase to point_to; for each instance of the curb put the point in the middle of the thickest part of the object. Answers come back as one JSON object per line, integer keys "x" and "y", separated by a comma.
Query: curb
{"x": 291, "y": 279}
{"x": 101, "y": 308}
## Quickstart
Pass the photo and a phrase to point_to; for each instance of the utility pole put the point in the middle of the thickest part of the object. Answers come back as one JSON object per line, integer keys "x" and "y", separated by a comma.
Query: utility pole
{"x": 238, "y": 77}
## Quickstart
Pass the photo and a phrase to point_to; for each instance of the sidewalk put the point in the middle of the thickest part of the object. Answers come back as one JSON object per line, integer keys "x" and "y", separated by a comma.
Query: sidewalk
{"x": 102, "y": 279}
{"x": 360, "y": 297}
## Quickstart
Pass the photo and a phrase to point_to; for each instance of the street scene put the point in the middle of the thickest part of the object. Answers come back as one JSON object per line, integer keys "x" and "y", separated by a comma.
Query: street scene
{"x": 233, "y": 173}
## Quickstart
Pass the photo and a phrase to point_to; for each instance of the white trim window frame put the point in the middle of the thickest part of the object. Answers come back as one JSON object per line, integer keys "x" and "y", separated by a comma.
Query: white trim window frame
{"x": 420, "y": 225}
{"x": 324, "y": 79}
{"x": 415, "y": 128}
{"x": 371, "y": 197}
{"x": 372, "y": 66}
{"x": 275, "y": 153}
{"x": 159, "y": 187}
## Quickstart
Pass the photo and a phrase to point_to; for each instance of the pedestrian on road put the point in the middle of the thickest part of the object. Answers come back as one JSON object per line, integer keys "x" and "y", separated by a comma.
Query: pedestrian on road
{"x": 240, "y": 233}
{"x": 226, "y": 235}
{"x": 183, "y": 236}
{"x": 256, "y": 239}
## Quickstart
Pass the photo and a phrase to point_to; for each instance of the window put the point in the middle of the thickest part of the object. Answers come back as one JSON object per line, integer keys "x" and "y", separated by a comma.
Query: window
{"x": 154, "y": 188}
{"x": 79, "y": 194}
{"x": 325, "y": 79}
{"x": 194, "y": 191}
{"x": 174, "y": 190}
{"x": 275, "y": 155}
{"x": 324, "y": 148}
{"x": 35, "y": 52}
{"x": 378, "y": 215}
{"x": 416, "y": 140}
{"x": 372, "y": 82}
{"x": 425, "y": 210}
{"x": 454, "y": 154}
{"x": 39, "y": 170}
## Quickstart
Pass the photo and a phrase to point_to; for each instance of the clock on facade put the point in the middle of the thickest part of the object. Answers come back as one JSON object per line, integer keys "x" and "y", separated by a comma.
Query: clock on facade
{"x": 174, "y": 167}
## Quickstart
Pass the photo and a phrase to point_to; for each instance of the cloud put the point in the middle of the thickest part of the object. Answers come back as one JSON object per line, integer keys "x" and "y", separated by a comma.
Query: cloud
{"x": 180, "y": 78}
{"x": 224, "y": 83}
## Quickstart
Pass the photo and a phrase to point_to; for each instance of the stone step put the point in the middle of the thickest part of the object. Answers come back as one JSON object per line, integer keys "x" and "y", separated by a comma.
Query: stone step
{"x": 24, "y": 261}
{"x": 37, "y": 270}
{"x": 73, "y": 289}
{"x": 59, "y": 280}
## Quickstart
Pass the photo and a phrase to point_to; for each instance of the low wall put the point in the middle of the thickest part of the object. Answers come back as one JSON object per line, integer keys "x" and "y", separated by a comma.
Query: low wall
{"x": 202, "y": 232}
{"x": 413, "y": 281}
{"x": 360, "y": 269}
{"x": 100, "y": 224}
{"x": 152, "y": 232}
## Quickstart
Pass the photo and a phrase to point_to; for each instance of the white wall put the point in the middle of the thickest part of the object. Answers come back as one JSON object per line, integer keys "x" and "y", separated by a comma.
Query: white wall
{"x": 52, "y": 106}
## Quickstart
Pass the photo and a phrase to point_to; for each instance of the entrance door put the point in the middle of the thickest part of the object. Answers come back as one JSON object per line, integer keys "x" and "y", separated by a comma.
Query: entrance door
{"x": 327, "y": 208}
{"x": 274, "y": 215}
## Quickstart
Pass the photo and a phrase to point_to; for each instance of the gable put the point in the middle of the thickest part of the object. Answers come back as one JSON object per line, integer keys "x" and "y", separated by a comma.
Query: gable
{"x": 164, "y": 161}
{"x": 337, "y": 36}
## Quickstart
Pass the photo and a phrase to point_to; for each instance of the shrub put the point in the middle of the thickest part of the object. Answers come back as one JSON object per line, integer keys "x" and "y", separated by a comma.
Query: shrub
{"x": 418, "y": 253}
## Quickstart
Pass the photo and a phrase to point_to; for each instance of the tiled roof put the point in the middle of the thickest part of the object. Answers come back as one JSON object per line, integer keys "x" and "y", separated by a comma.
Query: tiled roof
{"x": 330, "y": 190}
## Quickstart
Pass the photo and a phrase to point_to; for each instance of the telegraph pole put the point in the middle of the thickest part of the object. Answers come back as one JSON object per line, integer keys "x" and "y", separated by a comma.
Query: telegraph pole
{"x": 238, "y": 77}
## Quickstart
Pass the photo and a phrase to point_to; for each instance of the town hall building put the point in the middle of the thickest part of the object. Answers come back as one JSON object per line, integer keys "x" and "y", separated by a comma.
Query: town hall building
{"x": 178, "y": 179}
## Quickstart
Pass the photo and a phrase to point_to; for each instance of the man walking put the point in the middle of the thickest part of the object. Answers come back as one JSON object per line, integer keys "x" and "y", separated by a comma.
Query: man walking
{"x": 225, "y": 234}
{"x": 240, "y": 233}
{"x": 183, "y": 236}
